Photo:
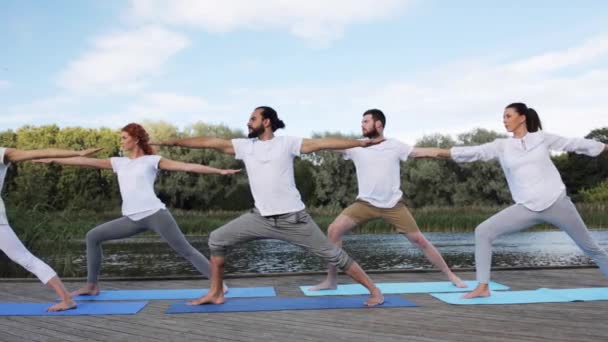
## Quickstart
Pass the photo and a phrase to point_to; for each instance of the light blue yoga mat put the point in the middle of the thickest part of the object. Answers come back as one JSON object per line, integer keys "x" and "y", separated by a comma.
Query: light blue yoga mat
{"x": 279, "y": 304}
{"x": 236, "y": 292}
{"x": 39, "y": 309}
{"x": 398, "y": 288}
{"x": 584, "y": 294}
{"x": 529, "y": 297}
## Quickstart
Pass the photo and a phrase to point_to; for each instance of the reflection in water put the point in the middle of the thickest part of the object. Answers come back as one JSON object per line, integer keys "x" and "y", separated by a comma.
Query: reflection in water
{"x": 152, "y": 257}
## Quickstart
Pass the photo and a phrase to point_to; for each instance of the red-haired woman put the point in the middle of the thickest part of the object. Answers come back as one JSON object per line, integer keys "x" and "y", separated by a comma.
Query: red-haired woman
{"x": 142, "y": 210}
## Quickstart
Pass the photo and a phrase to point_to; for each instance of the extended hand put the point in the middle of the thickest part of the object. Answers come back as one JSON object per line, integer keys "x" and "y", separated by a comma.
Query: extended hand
{"x": 228, "y": 172}
{"x": 371, "y": 142}
{"x": 89, "y": 151}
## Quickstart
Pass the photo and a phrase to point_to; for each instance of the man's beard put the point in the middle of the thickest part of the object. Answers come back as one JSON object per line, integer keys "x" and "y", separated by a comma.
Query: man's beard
{"x": 371, "y": 134}
{"x": 255, "y": 132}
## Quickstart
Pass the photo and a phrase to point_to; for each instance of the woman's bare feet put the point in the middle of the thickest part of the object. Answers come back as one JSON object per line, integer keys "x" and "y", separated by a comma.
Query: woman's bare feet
{"x": 62, "y": 306}
{"x": 88, "y": 290}
{"x": 324, "y": 285}
{"x": 457, "y": 281}
{"x": 376, "y": 298}
{"x": 209, "y": 298}
{"x": 482, "y": 290}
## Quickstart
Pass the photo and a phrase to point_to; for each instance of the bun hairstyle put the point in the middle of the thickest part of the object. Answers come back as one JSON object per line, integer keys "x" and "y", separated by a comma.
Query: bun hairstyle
{"x": 143, "y": 139}
{"x": 271, "y": 114}
{"x": 533, "y": 123}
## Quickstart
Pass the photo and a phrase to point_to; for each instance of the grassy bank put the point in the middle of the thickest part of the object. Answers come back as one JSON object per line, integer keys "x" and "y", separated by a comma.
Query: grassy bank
{"x": 33, "y": 225}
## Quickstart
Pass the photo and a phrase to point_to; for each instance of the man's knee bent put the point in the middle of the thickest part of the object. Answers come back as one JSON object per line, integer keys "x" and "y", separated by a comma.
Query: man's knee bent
{"x": 216, "y": 247}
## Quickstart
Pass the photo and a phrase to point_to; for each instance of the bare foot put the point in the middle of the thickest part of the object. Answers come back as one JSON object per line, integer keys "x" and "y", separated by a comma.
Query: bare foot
{"x": 209, "y": 298}
{"x": 457, "y": 281}
{"x": 62, "y": 306}
{"x": 481, "y": 290}
{"x": 324, "y": 285}
{"x": 87, "y": 290}
{"x": 376, "y": 298}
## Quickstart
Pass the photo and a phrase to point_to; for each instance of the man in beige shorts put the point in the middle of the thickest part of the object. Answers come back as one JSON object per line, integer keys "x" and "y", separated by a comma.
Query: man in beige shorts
{"x": 380, "y": 196}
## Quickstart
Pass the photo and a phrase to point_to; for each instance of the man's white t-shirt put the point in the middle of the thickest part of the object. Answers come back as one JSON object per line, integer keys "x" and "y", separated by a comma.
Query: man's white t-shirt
{"x": 269, "y": 165}
{"x": 136, "y": 182}
{"x": 378, "y": 171}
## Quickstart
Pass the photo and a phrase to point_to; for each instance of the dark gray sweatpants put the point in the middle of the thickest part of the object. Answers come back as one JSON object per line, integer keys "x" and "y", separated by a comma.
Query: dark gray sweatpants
{"x": 297, "y": 228}
{"x": 161, "y": 222}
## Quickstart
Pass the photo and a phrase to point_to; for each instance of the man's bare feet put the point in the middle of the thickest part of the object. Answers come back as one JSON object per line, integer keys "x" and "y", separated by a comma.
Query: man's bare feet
{"x": 209, "y": 298}
{"x": 457, "y": 281}
{"x": 62, "y": 306}
{"x": 87, "y": 290}
{"x": 482, "y": 290}
{"x": 376, "y": 298}
{"x": 324, "y": 285}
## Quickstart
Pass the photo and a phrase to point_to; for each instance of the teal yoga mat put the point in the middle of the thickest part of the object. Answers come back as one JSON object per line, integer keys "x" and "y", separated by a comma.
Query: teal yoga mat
{"x": 399, "y": 288}
{"x": 529, "y": 297}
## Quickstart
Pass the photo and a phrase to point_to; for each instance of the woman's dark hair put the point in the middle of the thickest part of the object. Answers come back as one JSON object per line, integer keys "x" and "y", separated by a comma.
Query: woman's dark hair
{"x": 271, "y": 114}
{"x": 143, "y": 139}
{"x": 533, "y": 123}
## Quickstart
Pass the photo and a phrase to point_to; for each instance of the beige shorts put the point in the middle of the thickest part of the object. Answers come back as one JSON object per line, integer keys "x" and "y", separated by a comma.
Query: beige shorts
{"x": 398, "y": 216}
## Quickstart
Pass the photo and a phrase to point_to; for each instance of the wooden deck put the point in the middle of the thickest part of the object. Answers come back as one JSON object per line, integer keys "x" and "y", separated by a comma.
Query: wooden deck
{"x": 432, "y": 321}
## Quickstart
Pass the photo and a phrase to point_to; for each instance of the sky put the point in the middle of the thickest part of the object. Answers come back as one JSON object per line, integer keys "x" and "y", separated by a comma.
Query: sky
{"x": 432, "y": 66}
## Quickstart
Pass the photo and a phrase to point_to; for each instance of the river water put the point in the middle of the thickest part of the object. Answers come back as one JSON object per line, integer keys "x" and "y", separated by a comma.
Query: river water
{"x": 149, "y": 256}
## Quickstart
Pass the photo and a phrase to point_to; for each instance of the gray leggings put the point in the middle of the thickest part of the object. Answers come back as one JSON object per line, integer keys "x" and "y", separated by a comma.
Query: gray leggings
{"x": 161, "y": 222}
{"x": 297, "y": 228}
{"x": 562, "y": 214}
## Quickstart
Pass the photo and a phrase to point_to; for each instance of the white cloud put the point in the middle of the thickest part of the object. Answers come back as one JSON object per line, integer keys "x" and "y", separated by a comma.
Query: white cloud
{"x": 451, "y": 99}
{"x": 590, "y": 50}
{"x": 317, "y": 21}
{"x": 165, "y": 106}
{"x": 122, "y": 62}
{"x": 4, "y": 84}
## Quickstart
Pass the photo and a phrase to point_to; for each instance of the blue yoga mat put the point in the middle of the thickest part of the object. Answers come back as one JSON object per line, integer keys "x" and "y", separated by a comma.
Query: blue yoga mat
{"x": 528, "y": 297}
{"x": 278, "y": 304}
{"x": 245, "y": 292}
{"x": 397, "y": 288}
{"x": 39, "y": 309}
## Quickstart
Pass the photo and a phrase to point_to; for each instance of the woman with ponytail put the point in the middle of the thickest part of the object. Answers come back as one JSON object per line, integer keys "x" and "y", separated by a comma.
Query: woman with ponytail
{"x": 142, "y": 210}
{"x": 535, "y": 184}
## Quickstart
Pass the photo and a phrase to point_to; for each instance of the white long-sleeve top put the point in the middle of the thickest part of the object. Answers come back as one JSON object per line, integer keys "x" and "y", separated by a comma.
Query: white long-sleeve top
{"x": 532, "y": 177}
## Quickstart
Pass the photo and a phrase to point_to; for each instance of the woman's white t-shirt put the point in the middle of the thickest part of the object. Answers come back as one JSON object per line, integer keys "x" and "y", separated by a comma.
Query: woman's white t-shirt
{"x": 136, "y": 182}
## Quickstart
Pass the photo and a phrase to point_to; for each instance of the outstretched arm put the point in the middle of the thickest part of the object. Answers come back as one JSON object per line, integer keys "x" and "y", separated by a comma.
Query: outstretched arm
{"x": 16, "y": 155}
{"x": 173, "y": 165}
{"x": 78, "y": 161}
{"x": 430, "y": 152}
{"x": 218, "y": 144}
{"x": 314, "y": 145}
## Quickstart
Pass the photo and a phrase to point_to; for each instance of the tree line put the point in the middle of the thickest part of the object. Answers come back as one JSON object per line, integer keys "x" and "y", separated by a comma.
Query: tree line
{"x": 324, "y": 179}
